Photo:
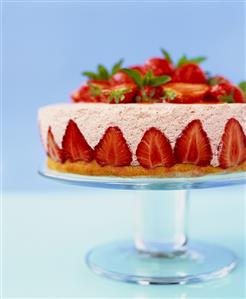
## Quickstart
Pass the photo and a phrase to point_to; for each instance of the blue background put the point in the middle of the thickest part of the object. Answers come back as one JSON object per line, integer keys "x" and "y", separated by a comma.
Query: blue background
{"x": 46, "y": 46}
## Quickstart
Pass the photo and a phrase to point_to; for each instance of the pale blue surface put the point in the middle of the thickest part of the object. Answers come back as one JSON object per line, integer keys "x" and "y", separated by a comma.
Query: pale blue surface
{"x": 46, "y": 236}
{"x": 46, "y": 45}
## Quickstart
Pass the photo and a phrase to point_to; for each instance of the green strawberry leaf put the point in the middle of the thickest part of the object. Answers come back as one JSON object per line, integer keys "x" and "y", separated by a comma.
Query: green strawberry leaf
{"x": 213, "y": 81}
{"x": 135, "y": 75}
{"x": 116, "y": 67}
{"x": 90, "y": 75}
{"x": 94, "y": 90}
{"x": 166, "y": 55}
{"x": 169, "y": 94}
{"x": 118, "y": 95}
{"x": 184, "y": 60}
{"x": 242, "y": 86}
{"x": 227, "y": 98}
{"x": 147, "y": 78}
{"x": 103, "y": 72}
{"x": 157, "y": 81}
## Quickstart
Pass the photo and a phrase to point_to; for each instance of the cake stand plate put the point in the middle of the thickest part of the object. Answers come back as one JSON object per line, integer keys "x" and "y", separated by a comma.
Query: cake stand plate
{"x": 160, "y": 252}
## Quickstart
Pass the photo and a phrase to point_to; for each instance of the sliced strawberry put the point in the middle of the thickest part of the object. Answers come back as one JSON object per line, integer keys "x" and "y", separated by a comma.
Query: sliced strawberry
{"x": 189, "y": 73}
{"x": 159, "y": 66}
{"x": 185, "y": 93}
{"x": 74, "y": 145}
{"x": 193, "y": 145}
{"x": 53, "y": 150}
{"x": 233, "y": 145}
{"x": 121, "y": 93}
{"x": 225, "y": 93}
{"x": 112, "y": 149}
{"x": 154, "y": 150}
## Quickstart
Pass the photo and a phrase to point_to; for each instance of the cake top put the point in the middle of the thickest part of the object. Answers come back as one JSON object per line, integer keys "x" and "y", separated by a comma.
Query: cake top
{"x": 159, "y": 80}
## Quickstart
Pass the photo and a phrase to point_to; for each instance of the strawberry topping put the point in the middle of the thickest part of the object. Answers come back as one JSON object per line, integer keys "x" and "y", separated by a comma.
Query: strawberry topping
{"x": 159, "y": 66}
{"x": 53, "y": 150}
{"x": 112, "y": 149}
{"x": 190, "y": 73}
{"x": 154, "y": 150}
{"x": 225, "y": 93}
{"x": 184, "y": 92}
{"x": 74, "y": 145}
{"x": 233, "y": 145}
{"x": 193, "y": 145}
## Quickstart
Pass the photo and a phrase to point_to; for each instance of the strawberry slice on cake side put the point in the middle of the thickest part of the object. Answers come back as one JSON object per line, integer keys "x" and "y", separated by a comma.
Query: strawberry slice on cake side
{"x": 233, "y": 145}
{"x": 113, "y": 149}
{"x": 193, "y": 146}
{"x": 74, "y": 145}
{"x": 154, "y": 150}
{"x": 53, "y": 150}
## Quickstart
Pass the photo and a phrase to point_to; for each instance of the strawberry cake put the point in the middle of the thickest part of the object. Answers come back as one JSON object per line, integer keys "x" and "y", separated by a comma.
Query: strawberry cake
{"x": 157, "y": 119}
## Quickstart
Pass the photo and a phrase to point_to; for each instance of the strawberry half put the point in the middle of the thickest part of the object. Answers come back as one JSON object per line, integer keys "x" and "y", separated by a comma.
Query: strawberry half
{"x": 193, "y": 145}
{"x": 184, "y": 93}
{"x": 121, "y": 93}
{"x": 112, "y": 149}
{"x": 74, "y": 145}
{"x": 154, "y": 150}
{"x": 233, "y": 145}
{"x": 189, "y": 73}
{"x": 53, "y": 150}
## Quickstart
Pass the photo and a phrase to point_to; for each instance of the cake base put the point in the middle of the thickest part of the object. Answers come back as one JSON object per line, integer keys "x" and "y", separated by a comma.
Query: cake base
{"x": 178, "y": 170}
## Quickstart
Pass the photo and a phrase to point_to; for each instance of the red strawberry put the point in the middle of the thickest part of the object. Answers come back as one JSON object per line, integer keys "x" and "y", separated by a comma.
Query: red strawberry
{"x": 159, "y": 66}
{"x": 121, "y": 93}
{"x": 74, "y": 145}
{"x": 150, "y": 94}
{"x": 120, "y": 78}
{"x": 53, "y": 150}
{"x": 218, "y": 80}
{"x": 189, "y": 73}
{"x": 140, "y": 68}
{"x": 91, "y": 92}
{"x": 225, "y": 93}
{"x": 154, "y": 150}
{"x": 233, "y": 145}
{"x": 112, "y": 149}
{"x": 184, "y": 92}
{"x": 193, "y": 145}
{"x": 84, "y": 95}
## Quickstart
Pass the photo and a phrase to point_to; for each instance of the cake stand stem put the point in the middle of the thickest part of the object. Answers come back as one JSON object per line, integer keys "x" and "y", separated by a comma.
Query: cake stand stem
{"x": 161, "y": 227}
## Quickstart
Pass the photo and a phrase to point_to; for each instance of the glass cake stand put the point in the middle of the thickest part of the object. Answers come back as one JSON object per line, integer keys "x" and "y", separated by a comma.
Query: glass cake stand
{"x": 161, "y": 252}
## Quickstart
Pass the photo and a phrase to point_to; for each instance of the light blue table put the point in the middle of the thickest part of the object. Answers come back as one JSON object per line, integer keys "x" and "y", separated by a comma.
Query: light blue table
{"x": 46, "y": 236}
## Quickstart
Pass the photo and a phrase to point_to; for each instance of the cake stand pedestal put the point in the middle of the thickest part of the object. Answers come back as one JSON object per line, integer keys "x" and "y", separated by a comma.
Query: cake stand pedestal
{"x": 161, "y": 252}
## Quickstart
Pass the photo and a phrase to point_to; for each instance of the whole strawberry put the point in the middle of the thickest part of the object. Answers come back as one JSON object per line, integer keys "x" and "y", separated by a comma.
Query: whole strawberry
{"x": 225, "y": 93}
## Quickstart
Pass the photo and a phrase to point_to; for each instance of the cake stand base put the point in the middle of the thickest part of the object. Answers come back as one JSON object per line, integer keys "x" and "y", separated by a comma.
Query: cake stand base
{"x": 161, "y": 251}
{"x": 122, "y": 261}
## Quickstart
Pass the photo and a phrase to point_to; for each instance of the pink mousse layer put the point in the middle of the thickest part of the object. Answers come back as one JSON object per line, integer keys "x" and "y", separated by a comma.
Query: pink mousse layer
{"x": 134, "y": 119}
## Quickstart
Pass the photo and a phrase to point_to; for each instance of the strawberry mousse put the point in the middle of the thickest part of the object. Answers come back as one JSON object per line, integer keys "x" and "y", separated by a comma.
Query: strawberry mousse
{"x": 157, "y": 119}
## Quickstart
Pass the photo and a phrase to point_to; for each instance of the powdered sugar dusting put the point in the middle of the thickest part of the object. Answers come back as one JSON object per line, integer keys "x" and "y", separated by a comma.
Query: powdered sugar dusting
{"x": 134, "y": 119}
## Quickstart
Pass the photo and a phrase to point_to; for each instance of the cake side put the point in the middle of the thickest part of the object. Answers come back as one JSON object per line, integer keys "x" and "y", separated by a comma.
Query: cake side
{"x": 135, "y": 119}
